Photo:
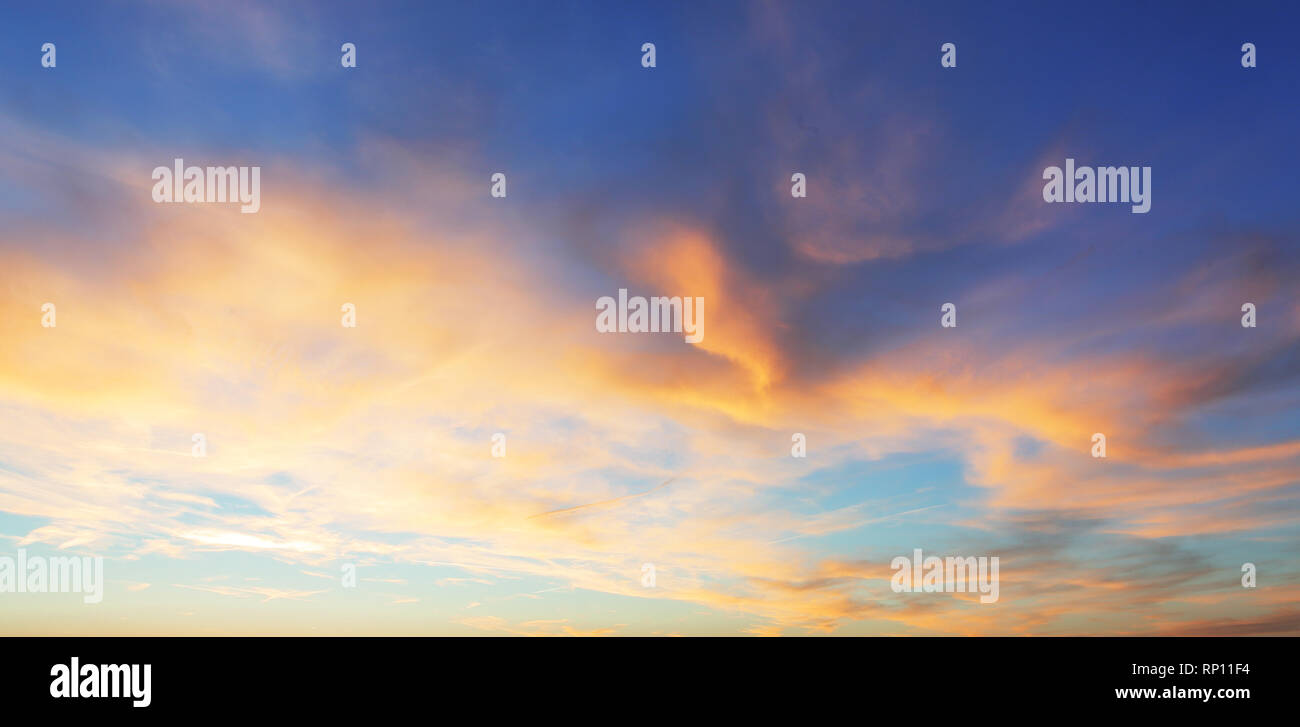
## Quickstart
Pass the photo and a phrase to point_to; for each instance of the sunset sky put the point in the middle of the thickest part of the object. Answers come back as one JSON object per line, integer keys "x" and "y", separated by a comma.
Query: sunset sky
{"x": 371, "y": 445}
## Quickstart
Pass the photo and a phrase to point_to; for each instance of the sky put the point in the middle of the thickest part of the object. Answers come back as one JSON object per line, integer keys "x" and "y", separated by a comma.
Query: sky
{"x": 331, "y": 448}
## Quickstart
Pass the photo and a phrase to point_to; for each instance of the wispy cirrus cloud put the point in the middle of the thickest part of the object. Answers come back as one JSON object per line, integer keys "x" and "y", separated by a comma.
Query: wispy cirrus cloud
{"x": 369, "y": 446}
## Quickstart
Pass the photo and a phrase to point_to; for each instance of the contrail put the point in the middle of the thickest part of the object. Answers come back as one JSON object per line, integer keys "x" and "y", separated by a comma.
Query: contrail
{"x": 604, "y": 502}
{"x": 852, "y": 526}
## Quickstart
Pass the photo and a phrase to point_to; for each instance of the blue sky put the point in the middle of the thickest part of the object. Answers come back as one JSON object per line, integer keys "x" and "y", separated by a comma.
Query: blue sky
{"x": 329, "y": 446}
